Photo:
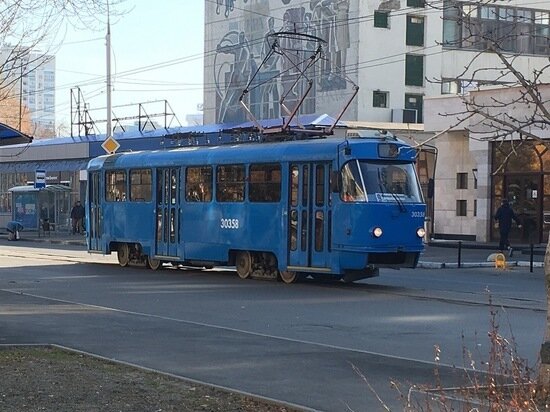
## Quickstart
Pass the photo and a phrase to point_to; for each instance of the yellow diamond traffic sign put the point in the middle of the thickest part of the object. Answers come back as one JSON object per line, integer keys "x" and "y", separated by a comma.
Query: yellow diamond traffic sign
{"x": 110, "y": 145}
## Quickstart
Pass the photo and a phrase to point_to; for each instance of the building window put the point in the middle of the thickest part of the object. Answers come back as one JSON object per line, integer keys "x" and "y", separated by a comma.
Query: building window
{"x": 379, "y": 98}
{"x": 512, "y": 29}
{"x": 415, "y": 31}
{"x": 475, "y": 207}
{"x": 414, "y": 70}
{"x": 381, "y": 19}
{"x": 450, "y": 86}
{"x": 461, "y": 207}
{"x": 416, "y": 3}
{"x": 415, "y": 102}
{"x": 462, "y": 180}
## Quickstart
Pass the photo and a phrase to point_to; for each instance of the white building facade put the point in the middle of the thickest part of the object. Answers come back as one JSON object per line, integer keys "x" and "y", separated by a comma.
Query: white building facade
{"x": 401, "y": 54}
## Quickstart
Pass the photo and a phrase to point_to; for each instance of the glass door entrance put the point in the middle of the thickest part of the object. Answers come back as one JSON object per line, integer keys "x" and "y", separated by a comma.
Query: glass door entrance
{"x": 525, "y": 195}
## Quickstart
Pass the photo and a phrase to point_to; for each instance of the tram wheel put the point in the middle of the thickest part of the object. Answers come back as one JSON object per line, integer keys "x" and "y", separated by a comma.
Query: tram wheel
{"x": 123, "y": 254}
{"x": 153, "y": 264}
{"x": 243, "y": 262}
{"x": 288, "y": 277}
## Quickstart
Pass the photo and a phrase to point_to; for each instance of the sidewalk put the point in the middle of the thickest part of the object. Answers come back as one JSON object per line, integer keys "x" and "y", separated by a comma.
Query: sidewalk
{"x": 447, "y": 254}
{"x": 58, "y": 238}
{"x": 438, "y": 254}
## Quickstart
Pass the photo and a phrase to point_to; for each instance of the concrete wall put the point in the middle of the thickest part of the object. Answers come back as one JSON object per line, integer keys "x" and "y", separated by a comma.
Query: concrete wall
{"x": 460, "y": 150}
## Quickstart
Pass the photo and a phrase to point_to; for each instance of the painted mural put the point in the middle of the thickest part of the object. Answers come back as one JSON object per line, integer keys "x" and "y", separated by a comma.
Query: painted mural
{"x": 242, "y": 57}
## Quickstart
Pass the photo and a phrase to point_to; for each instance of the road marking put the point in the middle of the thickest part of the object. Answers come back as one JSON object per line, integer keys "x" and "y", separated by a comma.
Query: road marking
{"x": 226, "y": 328}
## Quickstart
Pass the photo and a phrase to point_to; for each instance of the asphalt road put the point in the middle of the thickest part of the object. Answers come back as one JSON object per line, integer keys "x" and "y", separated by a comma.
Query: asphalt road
{"x": 297, "y": 343}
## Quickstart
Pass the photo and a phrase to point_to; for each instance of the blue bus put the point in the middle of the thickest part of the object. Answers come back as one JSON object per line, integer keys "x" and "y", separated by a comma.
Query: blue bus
{"x": 325, "y": 207}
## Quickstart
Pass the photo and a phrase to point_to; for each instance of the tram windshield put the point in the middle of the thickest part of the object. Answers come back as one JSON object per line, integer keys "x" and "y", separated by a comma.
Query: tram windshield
{"x": 380, "y": 181}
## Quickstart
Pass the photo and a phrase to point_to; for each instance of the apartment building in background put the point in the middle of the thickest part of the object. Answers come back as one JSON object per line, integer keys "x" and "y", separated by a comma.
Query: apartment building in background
{"x": 29, "y": 76}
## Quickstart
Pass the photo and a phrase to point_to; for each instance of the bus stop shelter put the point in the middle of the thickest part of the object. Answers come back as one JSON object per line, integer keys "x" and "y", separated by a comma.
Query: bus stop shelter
{"x": 10, "y": 136}
{"x": 42, "y": 209}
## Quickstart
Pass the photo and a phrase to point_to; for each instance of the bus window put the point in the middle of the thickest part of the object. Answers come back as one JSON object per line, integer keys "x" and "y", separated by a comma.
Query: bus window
{"x": 198, "y": 184}
{"x": 115, "y": 186}
{"x": 265, "y": 183}
{"x": 230, "y": 183}
{"x": 140, "y": 185}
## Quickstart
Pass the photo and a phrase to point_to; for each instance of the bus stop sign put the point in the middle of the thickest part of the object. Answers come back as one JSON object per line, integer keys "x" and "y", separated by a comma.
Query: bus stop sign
{"x": 39, "y": 179}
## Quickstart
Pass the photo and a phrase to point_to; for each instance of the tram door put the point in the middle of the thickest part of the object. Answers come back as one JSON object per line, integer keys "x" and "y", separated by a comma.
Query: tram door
{"x": 94, "y": 211}
{"x": 167, "y": 207}
{"x": 309, "y": 216}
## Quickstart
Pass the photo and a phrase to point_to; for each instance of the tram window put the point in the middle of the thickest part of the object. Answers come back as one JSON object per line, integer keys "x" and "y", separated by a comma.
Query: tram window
{"x": 198, "y": 184}
{"x": 352, "y": 188}
{"x": 230, "y": 183}
{"x": 319, "y": 185}
{"x": 319, "y": 231}
{"x": 140, "y": 185}
{"x": 305, "y": 185}
{"x": 390, "y": 182}
{"x": 174, "y": 180}
{"x": 265, "y": 183}
{"x": 115, "y": 186}
{"x": 294, "y": 184}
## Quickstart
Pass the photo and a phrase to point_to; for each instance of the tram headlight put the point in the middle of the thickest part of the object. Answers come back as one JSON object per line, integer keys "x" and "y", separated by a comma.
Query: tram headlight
{"x": 420, "y": 232}
{"x": 377, "y": 232}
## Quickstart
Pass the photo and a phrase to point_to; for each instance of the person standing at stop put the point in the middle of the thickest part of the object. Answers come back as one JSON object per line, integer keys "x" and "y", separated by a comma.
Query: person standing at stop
{"x": 504, "y": 216}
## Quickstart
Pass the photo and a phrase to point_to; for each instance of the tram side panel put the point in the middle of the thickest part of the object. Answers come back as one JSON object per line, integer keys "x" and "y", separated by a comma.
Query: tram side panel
{"x": 212, "y": 230}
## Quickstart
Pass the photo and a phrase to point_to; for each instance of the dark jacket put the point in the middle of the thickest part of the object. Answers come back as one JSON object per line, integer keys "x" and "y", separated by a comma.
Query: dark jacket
{"x": 504, "y": 215}
{"x": 77, "y": 212}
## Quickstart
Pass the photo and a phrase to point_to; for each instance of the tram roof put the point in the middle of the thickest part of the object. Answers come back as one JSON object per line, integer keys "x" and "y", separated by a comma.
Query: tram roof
{"x": 296, "y": 150}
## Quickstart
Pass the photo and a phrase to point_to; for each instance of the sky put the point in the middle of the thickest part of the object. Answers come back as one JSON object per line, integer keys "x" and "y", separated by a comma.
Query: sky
{"x": 157, "y": 54}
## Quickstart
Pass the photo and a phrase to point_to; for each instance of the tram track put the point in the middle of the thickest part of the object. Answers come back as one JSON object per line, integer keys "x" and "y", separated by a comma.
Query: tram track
{"x": 452, "y": 297}
{"x": 83, "y": 307}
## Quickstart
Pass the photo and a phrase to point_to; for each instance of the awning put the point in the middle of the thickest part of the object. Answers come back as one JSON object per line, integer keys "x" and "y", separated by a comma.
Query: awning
{"x": 10, "y": 136}
{"x": 48, "y": 188}
{"x": 48, "y": 166}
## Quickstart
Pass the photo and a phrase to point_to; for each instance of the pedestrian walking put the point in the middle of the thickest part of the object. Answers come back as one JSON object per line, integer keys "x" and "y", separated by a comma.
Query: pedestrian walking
{"x": 504, "y": 216}
{"x": 77, "y": 215}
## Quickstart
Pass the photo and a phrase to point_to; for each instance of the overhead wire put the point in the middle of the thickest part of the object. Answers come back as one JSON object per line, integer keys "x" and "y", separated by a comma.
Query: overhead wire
{"x": 208, "y": 86}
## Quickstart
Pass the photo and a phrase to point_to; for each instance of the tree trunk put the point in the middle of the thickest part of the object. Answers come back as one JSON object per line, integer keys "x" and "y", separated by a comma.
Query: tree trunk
{"x": 544, "y": 373}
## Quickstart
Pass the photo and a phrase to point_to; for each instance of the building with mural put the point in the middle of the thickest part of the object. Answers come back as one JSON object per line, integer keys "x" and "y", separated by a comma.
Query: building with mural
{"x": 400, "y": 53}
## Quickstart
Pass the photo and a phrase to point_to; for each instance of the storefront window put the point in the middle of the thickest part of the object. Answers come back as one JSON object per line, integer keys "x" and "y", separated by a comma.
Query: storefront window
{"x": 521, "y": 173}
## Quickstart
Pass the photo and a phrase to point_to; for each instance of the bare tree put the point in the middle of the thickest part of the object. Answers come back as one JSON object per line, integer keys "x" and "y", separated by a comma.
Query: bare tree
{"x": 515, "y": 107}
{"x": 31, "y": 30}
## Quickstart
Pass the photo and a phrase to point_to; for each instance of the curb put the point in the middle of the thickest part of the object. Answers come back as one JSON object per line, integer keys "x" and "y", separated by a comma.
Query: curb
{"x": 469, "y": 265}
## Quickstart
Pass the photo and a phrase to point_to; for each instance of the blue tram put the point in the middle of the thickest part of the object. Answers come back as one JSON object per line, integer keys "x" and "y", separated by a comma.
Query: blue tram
{"x": 340, "y": 207}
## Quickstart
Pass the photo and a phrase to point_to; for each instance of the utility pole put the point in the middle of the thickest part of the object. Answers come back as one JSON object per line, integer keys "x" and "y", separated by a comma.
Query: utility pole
{"x": 109, "y": 104}
{"x": 21, "y": 95}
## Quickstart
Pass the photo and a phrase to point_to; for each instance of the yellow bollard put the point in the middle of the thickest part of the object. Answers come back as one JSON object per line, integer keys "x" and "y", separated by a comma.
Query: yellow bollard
{"x": 500, "y": 261}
